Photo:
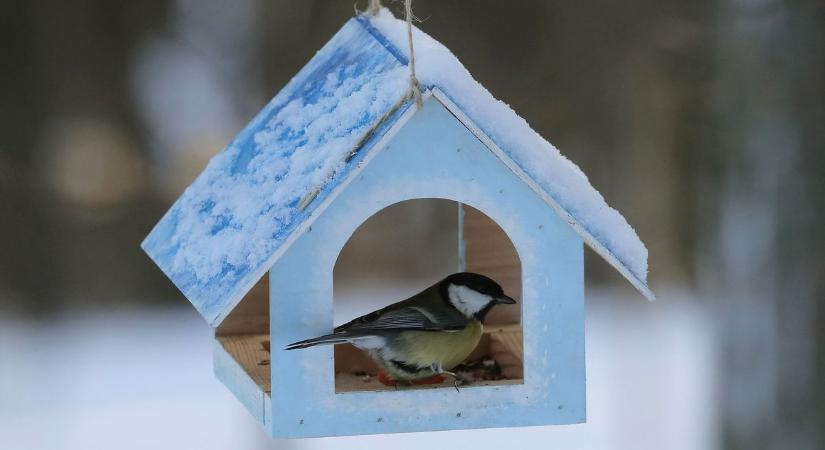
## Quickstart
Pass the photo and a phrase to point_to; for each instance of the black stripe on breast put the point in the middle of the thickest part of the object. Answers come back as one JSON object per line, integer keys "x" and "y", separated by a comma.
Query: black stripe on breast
{"x": 409, "y": 368}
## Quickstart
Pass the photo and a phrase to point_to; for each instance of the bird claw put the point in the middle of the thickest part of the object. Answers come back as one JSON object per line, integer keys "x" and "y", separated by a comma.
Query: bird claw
{"x": 457, "y": 380}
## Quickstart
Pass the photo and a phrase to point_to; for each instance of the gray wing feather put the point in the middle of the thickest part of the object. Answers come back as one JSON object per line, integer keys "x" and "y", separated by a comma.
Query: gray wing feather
{"x": 407, "y": 318}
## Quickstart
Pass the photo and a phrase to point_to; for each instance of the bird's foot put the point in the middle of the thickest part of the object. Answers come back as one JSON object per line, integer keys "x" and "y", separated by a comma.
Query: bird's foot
{"x": 457, "y": 380}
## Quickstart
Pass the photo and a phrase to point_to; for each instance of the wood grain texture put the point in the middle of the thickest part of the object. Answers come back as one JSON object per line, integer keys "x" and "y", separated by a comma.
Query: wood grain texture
{"x": 507, "y": 348}
{"x": 490, "y": 252}
{"x": 230, "y": 372}
{"x": 355, "y": 371}
{"x": 251, "y": 316}
{"x": 251, "y": 351}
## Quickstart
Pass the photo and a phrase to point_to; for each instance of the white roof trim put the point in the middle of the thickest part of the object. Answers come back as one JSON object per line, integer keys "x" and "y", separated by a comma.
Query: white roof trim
{"x": 306, "y": 224}
{"x": 588, "y": 238}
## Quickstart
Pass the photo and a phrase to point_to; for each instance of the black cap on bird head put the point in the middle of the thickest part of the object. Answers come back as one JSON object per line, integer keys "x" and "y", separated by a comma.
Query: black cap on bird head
{"x": 473, "y": 294}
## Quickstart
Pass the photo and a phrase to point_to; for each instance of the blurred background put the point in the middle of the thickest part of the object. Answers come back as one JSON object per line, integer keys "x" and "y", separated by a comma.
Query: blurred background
{"x": 703, "y": 122}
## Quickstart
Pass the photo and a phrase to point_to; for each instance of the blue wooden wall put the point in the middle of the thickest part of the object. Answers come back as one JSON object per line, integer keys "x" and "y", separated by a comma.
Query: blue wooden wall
{"x": 432, "y": 156}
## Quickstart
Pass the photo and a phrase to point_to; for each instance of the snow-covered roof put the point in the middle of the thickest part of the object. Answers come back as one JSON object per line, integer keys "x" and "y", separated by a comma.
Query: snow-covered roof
{"x": 241, "y": 213}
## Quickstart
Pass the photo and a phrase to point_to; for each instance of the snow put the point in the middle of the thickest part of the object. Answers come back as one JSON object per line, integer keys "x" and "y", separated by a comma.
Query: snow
{"x": 218, "y": 236}
{"x": 137, "y": 379}
{"x": 226, "y": 229}
{"x": 557, "y": 175}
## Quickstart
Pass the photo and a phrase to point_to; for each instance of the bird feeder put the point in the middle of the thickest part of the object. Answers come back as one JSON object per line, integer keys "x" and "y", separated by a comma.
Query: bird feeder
{"x": 252, "y": 243}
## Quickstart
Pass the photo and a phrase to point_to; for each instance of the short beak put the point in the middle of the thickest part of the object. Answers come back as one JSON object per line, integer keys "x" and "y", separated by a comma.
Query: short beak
{"x": 505, "y": 300}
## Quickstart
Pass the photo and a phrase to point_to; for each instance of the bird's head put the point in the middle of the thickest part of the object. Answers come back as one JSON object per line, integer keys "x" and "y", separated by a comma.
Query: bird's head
{"x": 472, "y": 294}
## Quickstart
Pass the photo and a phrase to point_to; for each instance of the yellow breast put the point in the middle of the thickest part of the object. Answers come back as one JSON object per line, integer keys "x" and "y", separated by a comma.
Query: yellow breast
{"x": 445, "y": 348}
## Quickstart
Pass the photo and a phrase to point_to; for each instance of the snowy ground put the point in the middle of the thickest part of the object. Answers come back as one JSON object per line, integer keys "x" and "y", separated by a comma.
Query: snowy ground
{"x": 142, "y": 379}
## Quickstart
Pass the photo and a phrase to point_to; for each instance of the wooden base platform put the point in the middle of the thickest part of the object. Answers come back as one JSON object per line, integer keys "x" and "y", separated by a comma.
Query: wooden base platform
{"x": 251, "y": 351}
{"x": 354, "y": 371}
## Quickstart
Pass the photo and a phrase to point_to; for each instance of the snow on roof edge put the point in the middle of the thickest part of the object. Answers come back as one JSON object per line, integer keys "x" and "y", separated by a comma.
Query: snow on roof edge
{"x": 561, "y": 179}
{"x": 219, "y": 233}
{"x": 588, "y": 238}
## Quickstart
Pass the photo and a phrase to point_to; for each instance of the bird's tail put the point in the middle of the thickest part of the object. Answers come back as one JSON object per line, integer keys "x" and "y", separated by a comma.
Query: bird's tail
{"x": 335, "y": 338}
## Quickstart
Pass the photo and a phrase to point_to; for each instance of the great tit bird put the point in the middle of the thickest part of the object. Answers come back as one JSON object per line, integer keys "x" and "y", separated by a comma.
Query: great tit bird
{"x": 425, "y": 335}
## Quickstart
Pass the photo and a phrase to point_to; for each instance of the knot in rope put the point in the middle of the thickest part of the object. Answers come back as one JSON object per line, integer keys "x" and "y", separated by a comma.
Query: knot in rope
{"x": 415, "y": 87}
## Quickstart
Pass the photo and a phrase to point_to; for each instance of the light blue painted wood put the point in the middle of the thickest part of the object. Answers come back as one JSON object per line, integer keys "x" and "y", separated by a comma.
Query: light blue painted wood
{"x": 235, "y": 378}
{"x": 217, "y": 240}
{"x": 462, "y": 242}
{"x": 432, "y": 156}
{"x": 267, "y": 185}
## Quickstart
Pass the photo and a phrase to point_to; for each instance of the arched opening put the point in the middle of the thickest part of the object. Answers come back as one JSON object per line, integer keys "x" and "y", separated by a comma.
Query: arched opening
{"x": 409, "y": 246}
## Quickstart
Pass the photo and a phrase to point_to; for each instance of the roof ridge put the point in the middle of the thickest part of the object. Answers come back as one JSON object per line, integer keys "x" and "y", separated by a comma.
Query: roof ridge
{"x": 375, "y": 33}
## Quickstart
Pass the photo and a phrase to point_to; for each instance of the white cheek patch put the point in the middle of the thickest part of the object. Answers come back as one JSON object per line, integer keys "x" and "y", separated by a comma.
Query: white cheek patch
{"x": 467, "y": 300}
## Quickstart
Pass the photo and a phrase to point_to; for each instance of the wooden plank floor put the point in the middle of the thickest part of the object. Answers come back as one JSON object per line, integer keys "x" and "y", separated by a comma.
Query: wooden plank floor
{"x": 355, "y": 372}
{"x": 252, "y": 353}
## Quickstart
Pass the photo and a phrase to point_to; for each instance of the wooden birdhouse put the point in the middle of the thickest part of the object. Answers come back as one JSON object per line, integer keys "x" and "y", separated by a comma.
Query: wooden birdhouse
{"x": 253, "y": 242}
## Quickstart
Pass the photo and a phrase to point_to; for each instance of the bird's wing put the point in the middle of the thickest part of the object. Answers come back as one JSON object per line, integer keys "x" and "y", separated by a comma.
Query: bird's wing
{"x": 406, "y": 318}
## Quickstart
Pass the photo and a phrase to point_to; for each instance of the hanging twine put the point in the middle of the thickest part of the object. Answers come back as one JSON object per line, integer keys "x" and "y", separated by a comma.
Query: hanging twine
{"x": 414, "y": 86}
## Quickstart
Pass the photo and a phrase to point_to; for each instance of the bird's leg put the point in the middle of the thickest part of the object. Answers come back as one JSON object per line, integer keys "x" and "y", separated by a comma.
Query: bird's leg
{"x": 457, "y": 381}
